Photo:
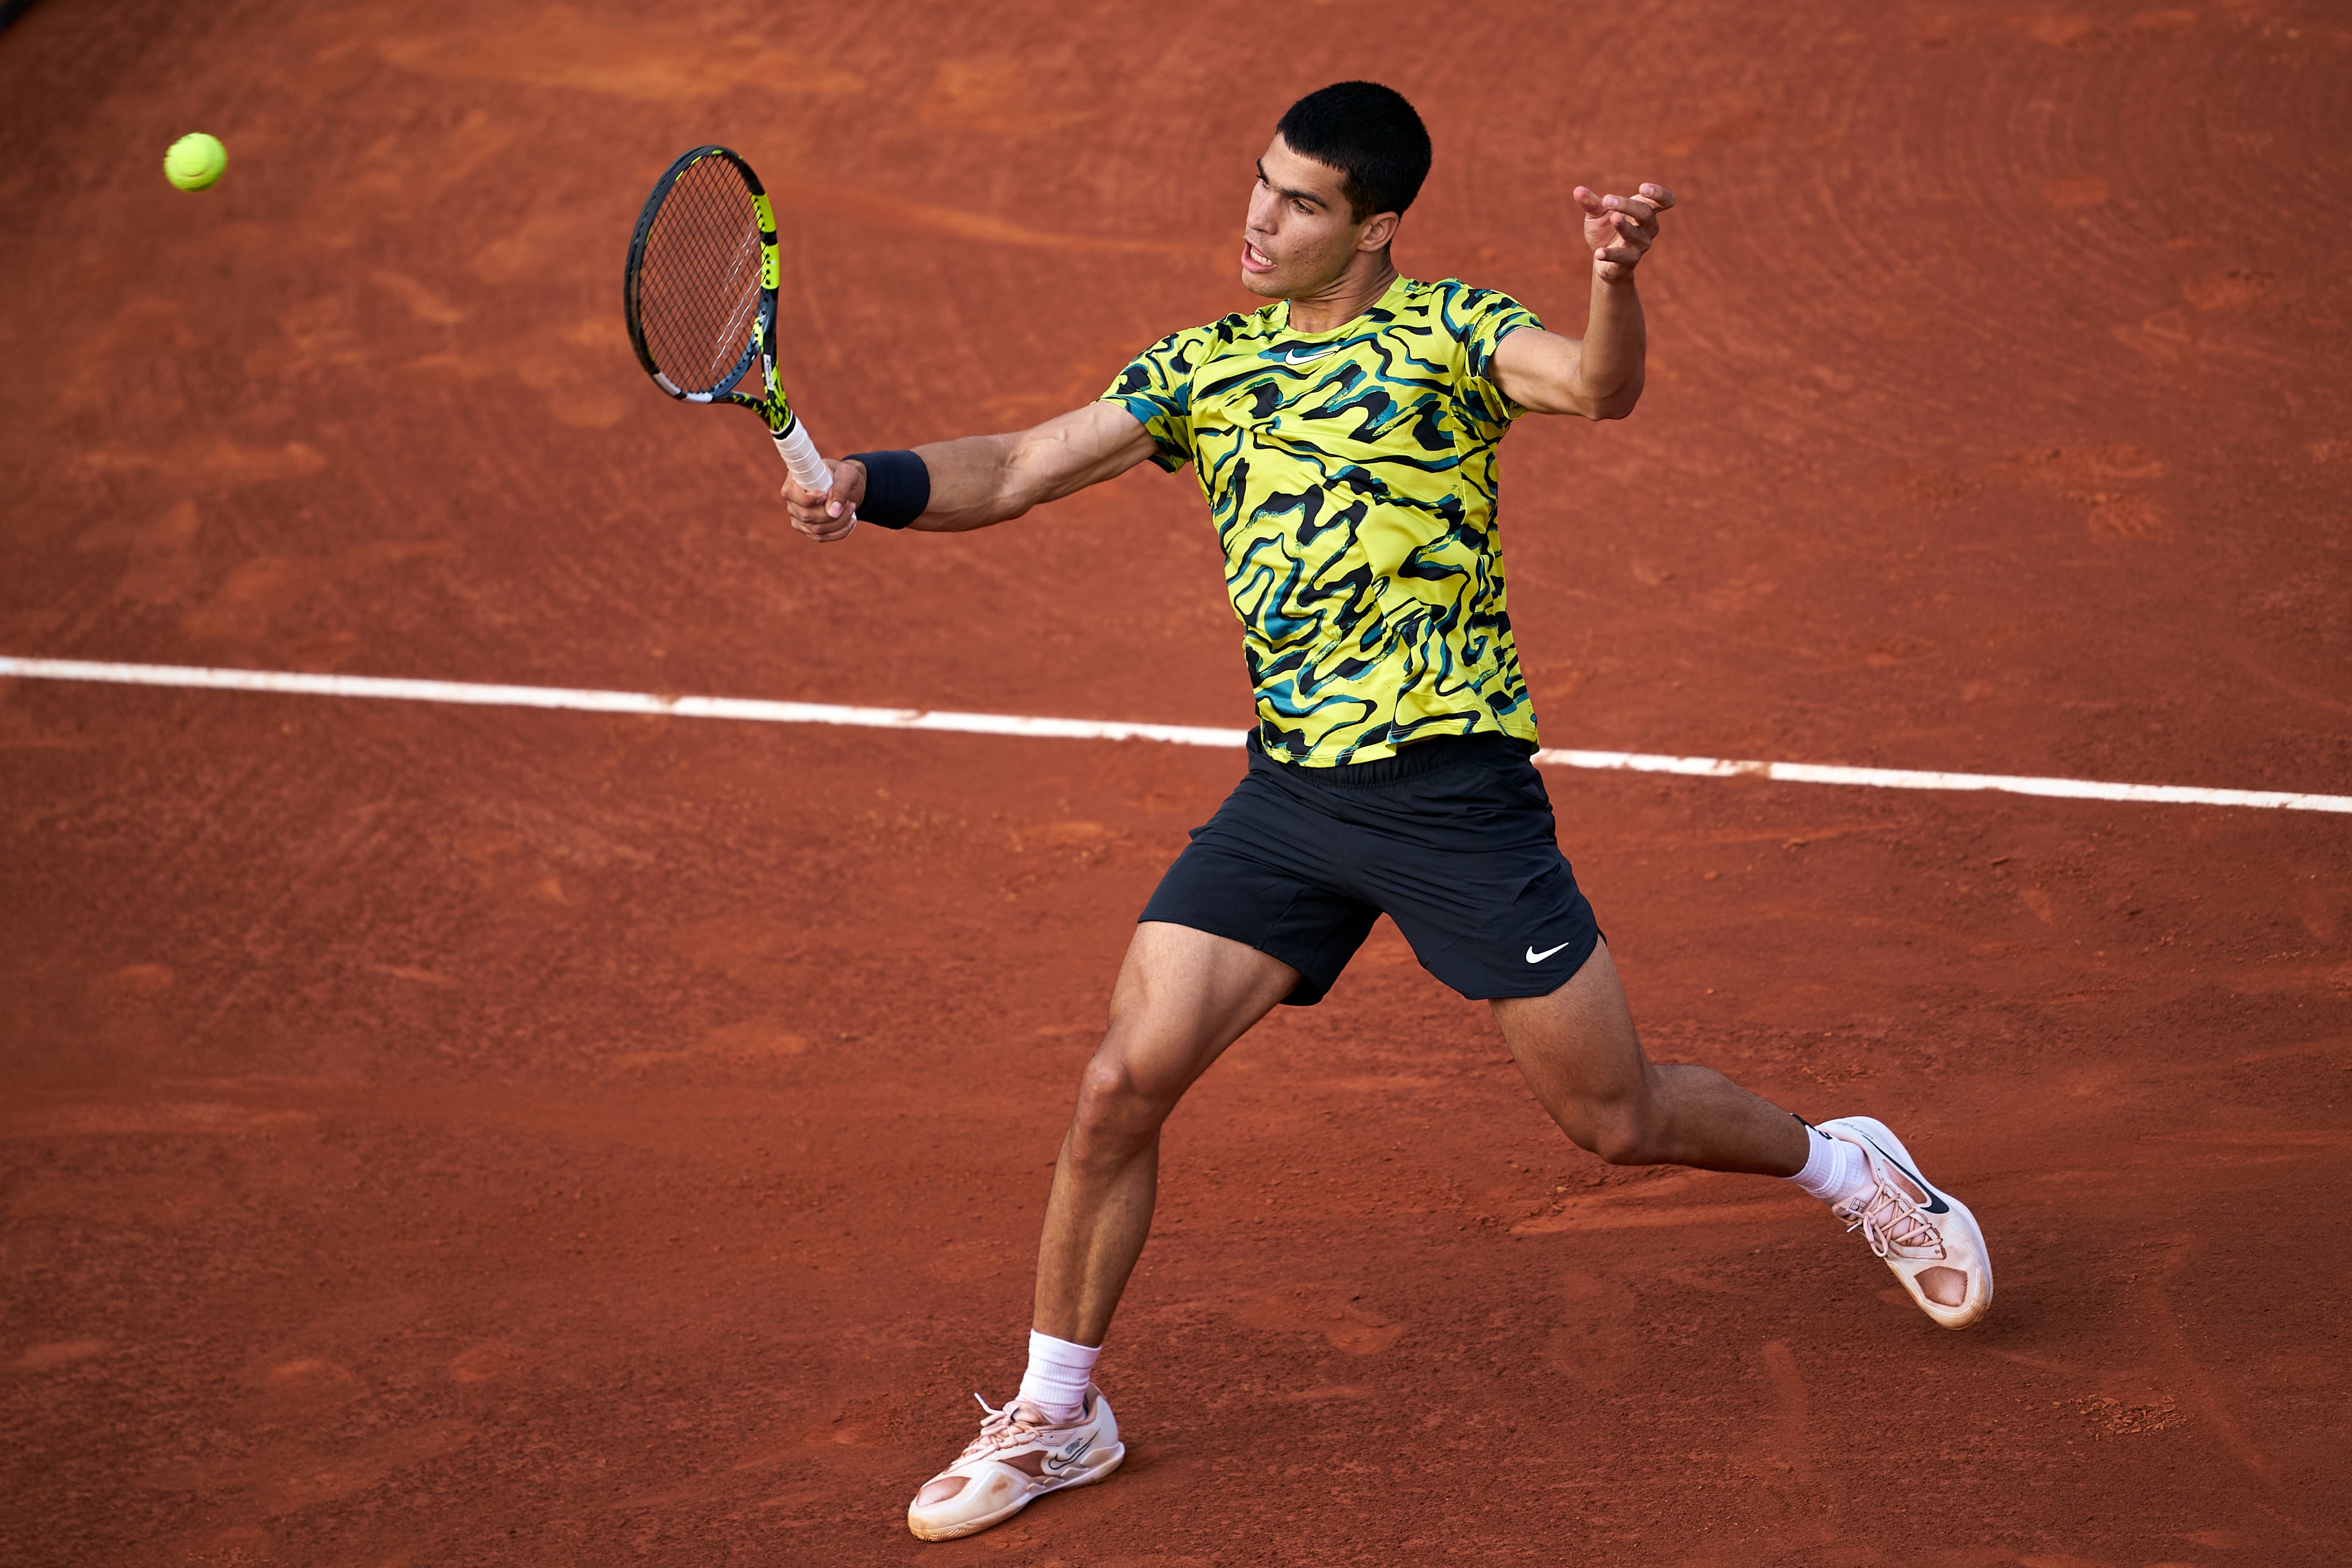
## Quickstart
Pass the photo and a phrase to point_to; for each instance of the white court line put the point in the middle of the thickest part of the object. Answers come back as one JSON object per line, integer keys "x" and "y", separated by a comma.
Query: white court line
{"x": 756, "y": 711}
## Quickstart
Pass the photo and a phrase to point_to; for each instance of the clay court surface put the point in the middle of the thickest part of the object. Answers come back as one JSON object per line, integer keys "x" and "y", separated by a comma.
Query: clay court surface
{"x": 441, "y": 1135}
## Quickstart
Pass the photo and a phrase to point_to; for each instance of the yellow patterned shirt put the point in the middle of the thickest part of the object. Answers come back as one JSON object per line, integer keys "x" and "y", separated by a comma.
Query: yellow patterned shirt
{"x": 1351, "y": 478}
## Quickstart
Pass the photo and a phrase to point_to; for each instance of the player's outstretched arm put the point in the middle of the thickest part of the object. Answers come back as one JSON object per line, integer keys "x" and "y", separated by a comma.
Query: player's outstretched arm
{"x": 984, "y": 479}
{"x": 1600, "y": 376}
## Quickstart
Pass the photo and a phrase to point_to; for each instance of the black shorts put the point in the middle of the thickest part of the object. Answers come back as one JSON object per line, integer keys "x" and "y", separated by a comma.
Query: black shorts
{"x": 1452, "y": 838}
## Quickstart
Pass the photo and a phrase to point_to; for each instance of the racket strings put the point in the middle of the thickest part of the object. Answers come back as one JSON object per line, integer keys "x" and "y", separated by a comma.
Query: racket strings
{"x": 699, "y": 285}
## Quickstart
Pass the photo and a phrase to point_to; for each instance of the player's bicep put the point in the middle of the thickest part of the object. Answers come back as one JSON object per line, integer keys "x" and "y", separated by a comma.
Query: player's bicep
{"x": 1072, "y": 451}
{"x": 1539, "y": 371}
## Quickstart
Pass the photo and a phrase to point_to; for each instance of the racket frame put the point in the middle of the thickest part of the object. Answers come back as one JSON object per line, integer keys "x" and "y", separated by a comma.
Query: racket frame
{"x": 784, "y": 427}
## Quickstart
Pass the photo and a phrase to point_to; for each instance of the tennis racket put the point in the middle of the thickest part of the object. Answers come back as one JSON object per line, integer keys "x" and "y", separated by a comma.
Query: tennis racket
{"x": 701, "y": 298}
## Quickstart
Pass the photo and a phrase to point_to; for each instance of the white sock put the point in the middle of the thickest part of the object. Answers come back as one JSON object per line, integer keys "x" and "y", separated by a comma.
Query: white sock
{"x": 1835, "y": 1169}
{"x": 1058, "y": 1373}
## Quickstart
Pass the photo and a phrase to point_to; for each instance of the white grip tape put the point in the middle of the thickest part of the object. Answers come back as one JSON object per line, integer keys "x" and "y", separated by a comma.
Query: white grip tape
{"x": 800, "y": 456}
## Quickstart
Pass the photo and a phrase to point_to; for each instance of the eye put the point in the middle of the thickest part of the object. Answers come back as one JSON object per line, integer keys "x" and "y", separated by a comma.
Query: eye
{"x": 1303, "y": 209}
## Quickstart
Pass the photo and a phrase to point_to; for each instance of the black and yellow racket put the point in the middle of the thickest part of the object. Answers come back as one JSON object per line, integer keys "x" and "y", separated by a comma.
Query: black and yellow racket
{"x": 702, "y": 296}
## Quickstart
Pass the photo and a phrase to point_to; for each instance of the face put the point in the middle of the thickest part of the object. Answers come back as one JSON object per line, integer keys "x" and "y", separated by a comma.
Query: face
{"x": 1301, "y": 235}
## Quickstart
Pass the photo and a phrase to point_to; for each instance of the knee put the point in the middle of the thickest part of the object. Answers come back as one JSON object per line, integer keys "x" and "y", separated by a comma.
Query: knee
{"x": 1619, "y": 1137}
{"x": 1114, "y": 1114}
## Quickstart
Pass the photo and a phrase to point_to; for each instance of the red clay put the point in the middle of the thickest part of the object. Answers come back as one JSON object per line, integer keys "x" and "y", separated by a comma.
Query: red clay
{"x": 443, "y": 1136}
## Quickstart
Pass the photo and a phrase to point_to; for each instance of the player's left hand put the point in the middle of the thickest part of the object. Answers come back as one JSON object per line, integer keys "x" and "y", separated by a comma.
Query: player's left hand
{"x": 1620, "y": 229}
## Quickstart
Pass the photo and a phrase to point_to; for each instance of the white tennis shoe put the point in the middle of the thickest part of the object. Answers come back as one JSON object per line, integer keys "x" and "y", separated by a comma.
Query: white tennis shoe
{"x": 1926, "y": 1235}
{"x": 1018, "y": 1458}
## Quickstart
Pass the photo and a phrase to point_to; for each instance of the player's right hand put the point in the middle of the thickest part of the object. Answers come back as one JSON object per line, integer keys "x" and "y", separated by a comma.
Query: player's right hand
{"x": 828, "y": 517}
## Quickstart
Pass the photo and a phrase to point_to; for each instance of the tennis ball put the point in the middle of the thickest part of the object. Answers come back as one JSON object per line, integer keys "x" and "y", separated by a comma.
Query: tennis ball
{"x": 194, "y": 161}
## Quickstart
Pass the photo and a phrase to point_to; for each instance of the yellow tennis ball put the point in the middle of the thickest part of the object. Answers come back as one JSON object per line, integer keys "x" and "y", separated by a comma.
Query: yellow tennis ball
{"x": 194, "y": 161}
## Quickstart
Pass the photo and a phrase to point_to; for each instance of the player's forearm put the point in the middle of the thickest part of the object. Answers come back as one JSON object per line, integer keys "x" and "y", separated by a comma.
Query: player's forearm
{"x": 974, "y": 484}
{"x": 1613, "y": 362}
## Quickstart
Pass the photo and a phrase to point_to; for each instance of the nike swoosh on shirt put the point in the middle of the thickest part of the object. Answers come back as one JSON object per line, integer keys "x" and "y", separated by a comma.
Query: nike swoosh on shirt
{"x": 1536, "y": 957}
{"x": 1292, "y": 356}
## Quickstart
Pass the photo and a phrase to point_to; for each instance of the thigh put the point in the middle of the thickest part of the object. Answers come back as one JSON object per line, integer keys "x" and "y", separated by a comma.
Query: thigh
{"x": 1182, "y": 996}
{"x": 1577, "y": 1046}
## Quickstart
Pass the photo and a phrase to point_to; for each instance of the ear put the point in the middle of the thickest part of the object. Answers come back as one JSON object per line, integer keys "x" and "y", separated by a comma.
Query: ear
{"x": 1380, "y": 231}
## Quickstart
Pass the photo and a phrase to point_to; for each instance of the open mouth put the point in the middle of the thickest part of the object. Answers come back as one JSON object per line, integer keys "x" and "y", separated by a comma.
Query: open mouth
{"x": 1255, "y": 259}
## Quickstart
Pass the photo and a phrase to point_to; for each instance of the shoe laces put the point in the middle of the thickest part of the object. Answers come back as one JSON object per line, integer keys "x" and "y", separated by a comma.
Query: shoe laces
{"x": 1000, "y": 1428}
{"x": 1892, "y": 1223}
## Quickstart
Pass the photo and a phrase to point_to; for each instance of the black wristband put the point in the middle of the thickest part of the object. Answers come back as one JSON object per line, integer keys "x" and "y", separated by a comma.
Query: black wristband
{"x": 897, "y": 487}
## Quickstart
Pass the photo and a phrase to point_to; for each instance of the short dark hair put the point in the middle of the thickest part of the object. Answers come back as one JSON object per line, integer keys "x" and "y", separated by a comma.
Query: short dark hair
{"x": 1368, "y": 132}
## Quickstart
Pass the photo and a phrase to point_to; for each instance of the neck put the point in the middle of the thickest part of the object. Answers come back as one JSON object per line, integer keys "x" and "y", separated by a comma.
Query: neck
{"x": 1346, "y": 296}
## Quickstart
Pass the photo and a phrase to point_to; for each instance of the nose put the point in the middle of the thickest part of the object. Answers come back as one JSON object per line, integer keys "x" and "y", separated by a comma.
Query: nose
{"x": 1264, "y": 210}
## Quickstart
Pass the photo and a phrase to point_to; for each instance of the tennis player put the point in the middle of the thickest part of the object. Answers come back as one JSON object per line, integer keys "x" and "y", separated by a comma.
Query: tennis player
{"x": 1344, "y": 436}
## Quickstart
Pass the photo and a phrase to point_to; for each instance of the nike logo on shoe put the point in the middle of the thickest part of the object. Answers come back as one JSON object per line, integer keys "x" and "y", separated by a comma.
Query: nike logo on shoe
{"x": 1536, "y": 957}
{"x": 1935, "y": 1204}
{"x": 1068, "y": 1460}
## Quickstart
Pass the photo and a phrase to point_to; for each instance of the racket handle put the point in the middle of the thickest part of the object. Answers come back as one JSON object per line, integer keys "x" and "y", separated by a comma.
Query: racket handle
{"x": 800, "y": 456}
